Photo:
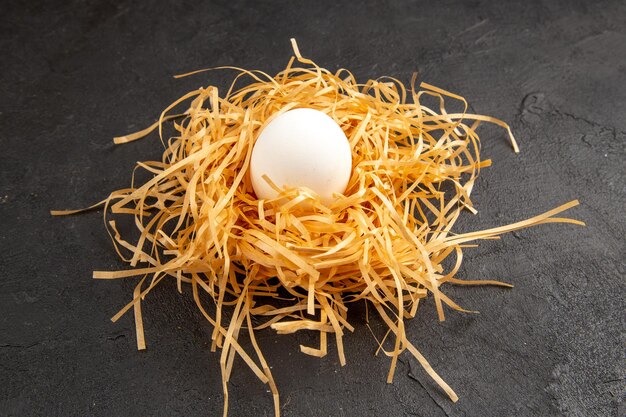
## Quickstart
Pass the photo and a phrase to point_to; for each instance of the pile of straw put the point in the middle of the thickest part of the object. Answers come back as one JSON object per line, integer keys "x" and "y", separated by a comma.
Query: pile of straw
{"x": 382, "y": 242}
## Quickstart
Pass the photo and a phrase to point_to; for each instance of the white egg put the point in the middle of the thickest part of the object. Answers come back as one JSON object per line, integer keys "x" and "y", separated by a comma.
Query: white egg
{"x": 301, "y": 148}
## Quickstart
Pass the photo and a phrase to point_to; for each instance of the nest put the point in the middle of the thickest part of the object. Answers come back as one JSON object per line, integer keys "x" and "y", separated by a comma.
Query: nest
{"x": 383, "y": 241}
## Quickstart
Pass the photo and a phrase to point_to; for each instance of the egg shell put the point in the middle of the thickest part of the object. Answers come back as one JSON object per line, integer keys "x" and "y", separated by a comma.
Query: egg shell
{"x": 301, "y": 148}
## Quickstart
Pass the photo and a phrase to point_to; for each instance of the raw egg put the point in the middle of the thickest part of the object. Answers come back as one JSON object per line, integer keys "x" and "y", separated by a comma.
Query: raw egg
{"x": 301, "y": 148}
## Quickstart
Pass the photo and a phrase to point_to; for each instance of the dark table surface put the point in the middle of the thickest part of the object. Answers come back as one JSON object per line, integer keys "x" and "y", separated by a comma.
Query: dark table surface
{"x": 74, "y": 75}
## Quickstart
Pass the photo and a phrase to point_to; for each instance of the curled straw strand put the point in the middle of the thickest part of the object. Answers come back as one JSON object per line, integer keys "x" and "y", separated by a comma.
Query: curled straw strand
{"x": 383, "y": 241}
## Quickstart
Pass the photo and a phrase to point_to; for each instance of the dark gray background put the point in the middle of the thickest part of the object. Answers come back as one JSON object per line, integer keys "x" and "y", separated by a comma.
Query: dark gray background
{"x": 74, "y": 76}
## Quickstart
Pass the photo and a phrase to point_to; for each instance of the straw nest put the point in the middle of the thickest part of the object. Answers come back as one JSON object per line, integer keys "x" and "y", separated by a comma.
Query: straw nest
{"x": 382, "y": 242}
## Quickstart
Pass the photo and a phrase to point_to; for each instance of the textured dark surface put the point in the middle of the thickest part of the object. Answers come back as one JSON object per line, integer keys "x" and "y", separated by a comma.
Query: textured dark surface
{"x": 73, "y": 76}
